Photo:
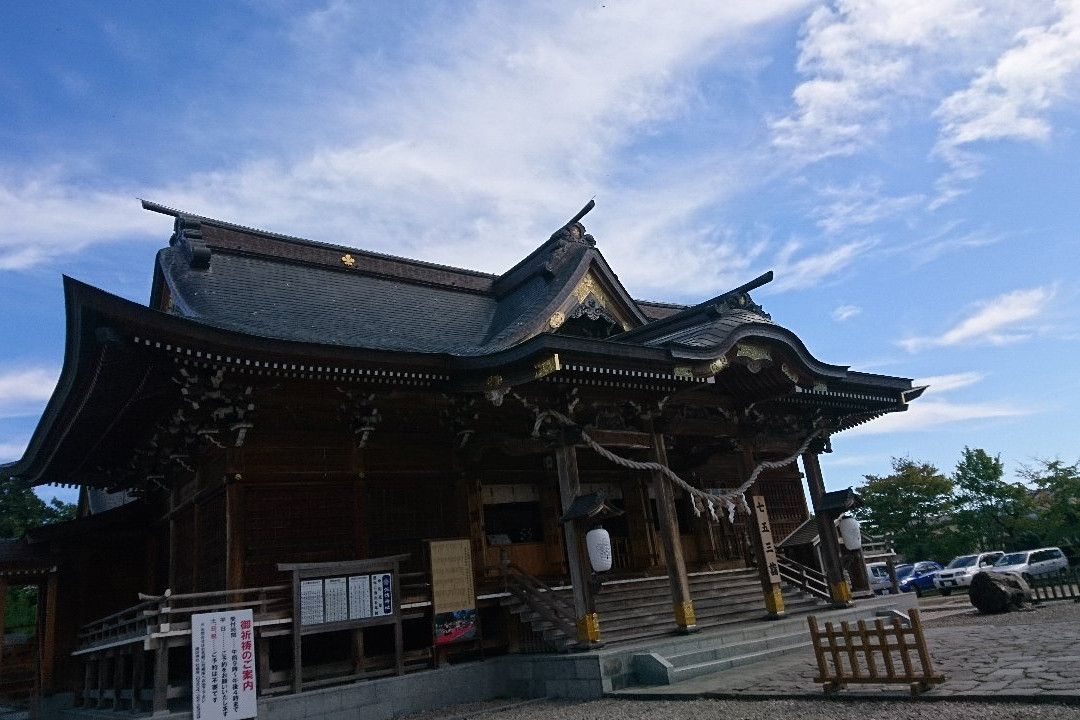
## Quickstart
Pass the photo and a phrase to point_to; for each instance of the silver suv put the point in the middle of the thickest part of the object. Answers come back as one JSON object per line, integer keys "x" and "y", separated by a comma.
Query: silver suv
{"x": 958, "y": 573}
{"x": 1033, "y": 563}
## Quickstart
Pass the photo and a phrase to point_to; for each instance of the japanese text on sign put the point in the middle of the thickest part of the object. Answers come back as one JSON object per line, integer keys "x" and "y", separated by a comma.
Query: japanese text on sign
{"x": 761, "y": 517}
{"x": 223, "y": 683}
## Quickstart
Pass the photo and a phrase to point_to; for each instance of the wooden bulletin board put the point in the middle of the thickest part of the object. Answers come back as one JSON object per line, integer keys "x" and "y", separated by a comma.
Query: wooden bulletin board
{"x": 341, "y": 596}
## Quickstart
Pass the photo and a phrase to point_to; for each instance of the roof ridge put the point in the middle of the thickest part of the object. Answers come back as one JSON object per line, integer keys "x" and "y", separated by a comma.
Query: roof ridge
{"x": 296, "y": 240}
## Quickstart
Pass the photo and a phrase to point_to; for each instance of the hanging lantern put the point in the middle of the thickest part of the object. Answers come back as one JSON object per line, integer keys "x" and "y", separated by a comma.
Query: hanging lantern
{"x": 598, "y": 541}
{"x": 850, "y": 532}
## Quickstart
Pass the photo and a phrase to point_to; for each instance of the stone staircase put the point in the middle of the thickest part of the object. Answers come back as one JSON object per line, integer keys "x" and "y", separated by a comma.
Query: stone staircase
{"x": 641, "y": 608}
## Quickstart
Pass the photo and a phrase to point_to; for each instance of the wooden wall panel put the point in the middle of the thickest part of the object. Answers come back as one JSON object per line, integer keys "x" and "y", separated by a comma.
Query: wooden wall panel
{"x": 296, "y": 522}
{"x": 182, "y": 577}
{"x": 210, "y": 545}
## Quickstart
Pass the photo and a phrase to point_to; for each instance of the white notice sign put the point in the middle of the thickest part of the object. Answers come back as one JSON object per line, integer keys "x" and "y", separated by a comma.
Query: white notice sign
{"x": 311, "y": 602}
{"x": 359, "y": 597}
{"x": 223, "y": 666}
{"x": 337, "y": 609}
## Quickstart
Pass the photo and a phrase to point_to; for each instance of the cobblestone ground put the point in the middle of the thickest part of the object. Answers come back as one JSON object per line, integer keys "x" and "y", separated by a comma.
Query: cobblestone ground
{"x": 1023, "y": 664}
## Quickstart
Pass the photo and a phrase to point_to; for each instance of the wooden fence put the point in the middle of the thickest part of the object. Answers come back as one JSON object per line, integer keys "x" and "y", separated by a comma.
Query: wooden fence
{"x": 1064, "y": 585}
{"x": 879, "y": 654}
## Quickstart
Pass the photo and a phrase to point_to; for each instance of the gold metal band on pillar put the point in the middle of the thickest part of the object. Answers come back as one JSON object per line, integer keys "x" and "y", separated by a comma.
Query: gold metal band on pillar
{"x": 774, "y": 601}
{"x": 840, "y": 592}
{"x": 684, "y": 614}
{"x": 588, "y": 628}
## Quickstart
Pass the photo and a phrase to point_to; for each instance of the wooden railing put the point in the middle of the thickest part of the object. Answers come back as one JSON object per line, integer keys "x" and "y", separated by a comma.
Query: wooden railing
{"x": 1061, "y": 585}
{"x": 542, "y": 600}
{"x": 126, "y": 654}
{"x": 882, "y": 654}
{"x": 805, "y": 578}
{"x": 114, "y": 648}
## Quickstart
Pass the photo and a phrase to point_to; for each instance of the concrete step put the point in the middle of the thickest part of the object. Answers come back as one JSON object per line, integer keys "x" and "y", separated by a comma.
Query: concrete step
{"x": 654, "y": 669}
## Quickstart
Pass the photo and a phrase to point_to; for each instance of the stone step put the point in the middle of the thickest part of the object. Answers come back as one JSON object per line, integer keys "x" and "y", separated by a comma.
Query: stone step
{"x": 639, "y": 609}
{"x": 654, "y": 669}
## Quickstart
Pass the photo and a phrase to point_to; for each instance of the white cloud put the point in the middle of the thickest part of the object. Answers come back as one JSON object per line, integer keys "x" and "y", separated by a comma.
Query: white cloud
{"x": 929, "y": 414}
{"x": 12, "y": 451}
{"x": 24, "y": 392}
{"x": 934, "y": 409}
{"x": 45, "y": 216}
{"x": 845, "y": 312}
{"x": 1002, "y": 320}
{"x": 488, "y": 144}
{"x": 944, "y": 383}
{"x": 1011, "y": 98}
{"x": 860, "y": 57}
{"x": 861, "y": 203}
{"x": 811, "y": 270}
{"x": 870, "y": 66}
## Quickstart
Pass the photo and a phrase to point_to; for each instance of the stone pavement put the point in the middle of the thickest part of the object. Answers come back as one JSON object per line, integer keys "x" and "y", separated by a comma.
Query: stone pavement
{"x": 1004, "y": 661}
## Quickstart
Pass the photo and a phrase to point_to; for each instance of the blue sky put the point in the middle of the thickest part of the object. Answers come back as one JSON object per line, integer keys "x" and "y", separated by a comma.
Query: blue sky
{"x": 908, "y": 168}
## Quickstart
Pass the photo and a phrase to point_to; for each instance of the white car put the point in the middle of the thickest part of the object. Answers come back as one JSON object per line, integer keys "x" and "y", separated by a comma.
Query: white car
{"x": 1033, "y": 563}
{"x": 878, "y": 574}
{"x": 958, "y": 573}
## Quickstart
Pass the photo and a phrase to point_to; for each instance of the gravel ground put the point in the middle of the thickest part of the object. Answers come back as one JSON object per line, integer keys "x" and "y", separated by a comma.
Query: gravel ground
{"x": 954, "y": 612}
{"x": 960, "y": 612}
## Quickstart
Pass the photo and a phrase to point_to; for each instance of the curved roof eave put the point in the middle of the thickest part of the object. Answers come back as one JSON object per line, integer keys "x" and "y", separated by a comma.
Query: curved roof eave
{"x": 61, "y": 398}
{"x": 777, "y": 333}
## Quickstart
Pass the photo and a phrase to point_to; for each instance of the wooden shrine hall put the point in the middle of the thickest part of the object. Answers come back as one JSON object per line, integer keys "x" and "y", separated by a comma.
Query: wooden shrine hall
{"x": 286, "y": 412}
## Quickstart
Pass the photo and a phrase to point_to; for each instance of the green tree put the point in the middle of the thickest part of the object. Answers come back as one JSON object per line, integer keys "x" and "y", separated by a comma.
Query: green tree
{"x": 987, "y": 509}
{"x": 912, "y": 505}
{"x": 1056, "y": 504}
{"x": 22, "y": 510}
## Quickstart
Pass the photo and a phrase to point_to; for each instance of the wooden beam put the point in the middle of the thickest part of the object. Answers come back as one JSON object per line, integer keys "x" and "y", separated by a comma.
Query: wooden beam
{"x": 620, "y": 438}
{"x": 682, "y": 603}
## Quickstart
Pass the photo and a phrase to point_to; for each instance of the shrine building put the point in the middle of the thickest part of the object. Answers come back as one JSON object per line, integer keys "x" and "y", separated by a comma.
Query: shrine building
{"x": 288, "y": 425}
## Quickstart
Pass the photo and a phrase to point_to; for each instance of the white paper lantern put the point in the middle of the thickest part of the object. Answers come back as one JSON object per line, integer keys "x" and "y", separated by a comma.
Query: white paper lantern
{"x": 850, "y": 533}
{"x": 598, "y": 541}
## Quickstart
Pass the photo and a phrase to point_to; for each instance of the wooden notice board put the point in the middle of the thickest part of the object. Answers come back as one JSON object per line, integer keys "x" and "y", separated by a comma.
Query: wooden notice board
{"x": 453, "y": 591}
{"x": 351, "y": 595}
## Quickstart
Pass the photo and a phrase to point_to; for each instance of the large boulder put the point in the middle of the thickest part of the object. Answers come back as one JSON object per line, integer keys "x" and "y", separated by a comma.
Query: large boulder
{"x": 994, "y": 592}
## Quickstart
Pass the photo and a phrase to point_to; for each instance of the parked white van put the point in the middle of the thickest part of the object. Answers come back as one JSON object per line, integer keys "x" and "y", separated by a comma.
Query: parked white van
{"x": 1032, "y": 563}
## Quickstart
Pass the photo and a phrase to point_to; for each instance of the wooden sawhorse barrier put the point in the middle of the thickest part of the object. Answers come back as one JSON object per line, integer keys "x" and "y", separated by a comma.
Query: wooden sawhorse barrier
{"x": 879, "y": 654}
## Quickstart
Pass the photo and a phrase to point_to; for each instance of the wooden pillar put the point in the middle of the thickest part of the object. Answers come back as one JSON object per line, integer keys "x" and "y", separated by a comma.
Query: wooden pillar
{"x": 760, "y": 536}
{"x": 161, "y": 676}
{"x": 839, "y": 590}
{"x": 173, "y": 497}
{"x": 669, "y": 529}
{"x": 588, "y": 622}
{"x": 48, "y": 646}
